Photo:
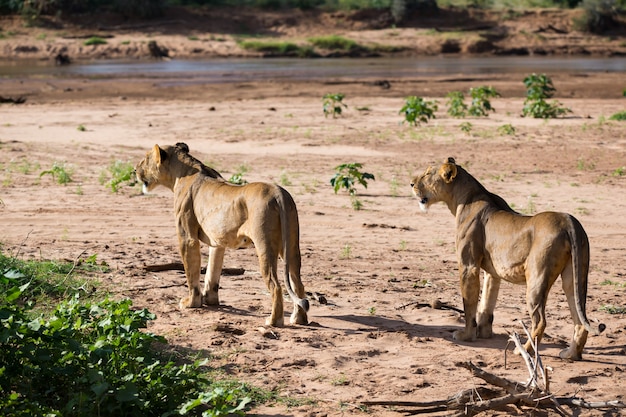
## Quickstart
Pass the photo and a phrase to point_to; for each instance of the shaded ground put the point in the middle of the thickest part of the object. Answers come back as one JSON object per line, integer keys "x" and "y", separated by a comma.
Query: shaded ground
{"x": 370, "y": 341}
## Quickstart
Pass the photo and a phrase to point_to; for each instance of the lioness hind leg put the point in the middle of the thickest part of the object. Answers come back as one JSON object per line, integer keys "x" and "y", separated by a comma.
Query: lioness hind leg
{"x": 210, "y": 294}
{"x": 269, "y": 269}
{"x": 536, "y": 297}
{"x": 299, "y": 314}
{"x": 575, "y": 350}
{"x": 488, "y": 298}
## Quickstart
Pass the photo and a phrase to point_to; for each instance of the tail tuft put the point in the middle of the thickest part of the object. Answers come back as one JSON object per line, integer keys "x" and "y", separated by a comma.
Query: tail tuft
{"x": 601, "y": 327}
{"x": 304, "y": 303}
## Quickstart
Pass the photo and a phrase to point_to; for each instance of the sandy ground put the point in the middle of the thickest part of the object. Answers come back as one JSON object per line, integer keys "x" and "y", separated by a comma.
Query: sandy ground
{"x": 371, "y": 341}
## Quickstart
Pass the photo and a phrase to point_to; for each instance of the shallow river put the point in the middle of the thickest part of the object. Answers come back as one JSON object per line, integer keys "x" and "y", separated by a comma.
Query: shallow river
{"x": 247, "y": 69}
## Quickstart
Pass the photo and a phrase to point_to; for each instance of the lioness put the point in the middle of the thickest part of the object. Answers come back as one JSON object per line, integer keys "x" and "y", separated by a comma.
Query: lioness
{"x": 509, "y": 246}
{"x": 224, "y": 215}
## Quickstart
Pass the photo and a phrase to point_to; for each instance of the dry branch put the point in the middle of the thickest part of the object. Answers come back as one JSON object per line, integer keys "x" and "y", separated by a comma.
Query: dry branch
{"x": 436, "y": 304}
{"x": 178, "y": 266}
{"x": 534, "y": 393}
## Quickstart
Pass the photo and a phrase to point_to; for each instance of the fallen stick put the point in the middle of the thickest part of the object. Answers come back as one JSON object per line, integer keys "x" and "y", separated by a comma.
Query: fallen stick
{"x": 178, "y": 266}
{"x": 436, "y": 304}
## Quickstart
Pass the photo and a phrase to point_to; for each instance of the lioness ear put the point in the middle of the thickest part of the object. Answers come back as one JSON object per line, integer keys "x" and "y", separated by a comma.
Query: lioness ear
{"x": 448, "y": 172}
{"x": 159, "y": 154}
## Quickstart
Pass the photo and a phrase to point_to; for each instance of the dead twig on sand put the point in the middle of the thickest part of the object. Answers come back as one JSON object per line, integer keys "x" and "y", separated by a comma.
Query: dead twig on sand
{"x": 178, "y": 266}
{"x": 436, "y": 304}
{"x": 534, "y": 393}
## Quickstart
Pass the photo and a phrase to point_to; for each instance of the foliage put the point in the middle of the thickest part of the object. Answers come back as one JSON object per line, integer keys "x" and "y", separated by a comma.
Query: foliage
{"x": 95, "y": 40}
{"x": 466, "y": 127}
{"x": 481, "y": 106}
{"x": 59, "y": 173}
{"x": 506, "y": 129}
{"x": 120, "y": 172}
{"x": 333, "y": 104}
{"x": 277, "y": 48}
{"x": 538, "y": 89}
{"x": 36, "y": 8}
{"x": 619, "y": 116}
{"x": 334, "y": 43}
{"x": 90, "y": 359}
{"x": 456, "y": 104}
{"x": 416, "y": 110}
{"x": 348, "y": 175}
{"x": 598, "y": 17}
{"x": 612, "y": 309}
{"x": 237, "y": 177}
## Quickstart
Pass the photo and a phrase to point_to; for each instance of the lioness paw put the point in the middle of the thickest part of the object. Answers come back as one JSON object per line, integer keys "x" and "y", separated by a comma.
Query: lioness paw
{"x": 464, "y": 335}
{"x": 188, "y": 303}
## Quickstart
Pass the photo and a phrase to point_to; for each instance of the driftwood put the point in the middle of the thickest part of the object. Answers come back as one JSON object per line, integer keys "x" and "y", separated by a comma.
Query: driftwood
{"x": 436, "y": 304}
{"x": 12, "y": 100}
{"x": 533, "y": 393}
{"x": 178, "y": 266}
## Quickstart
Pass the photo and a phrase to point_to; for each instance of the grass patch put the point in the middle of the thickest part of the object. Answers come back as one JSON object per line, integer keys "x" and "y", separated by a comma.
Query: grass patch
{"x": 276, "y": 48}
{"x": 334, "y": 43}
{"x": 620, "y": 116}
{"x": 119, "y": 172}
{"x": 95, "y": 40}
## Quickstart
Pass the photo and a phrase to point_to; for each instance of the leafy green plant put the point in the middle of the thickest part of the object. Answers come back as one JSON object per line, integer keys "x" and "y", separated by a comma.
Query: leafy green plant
{"x": 333, "y": 104}
{"x": 416, "y": 110}
{"x": 456, "y": 104}
{"x": 618, "y": 172}
{"x": 237, "y": 177}
{"x": 506, "y": 129}
{"x": 612, "y": 309}
{"x": 81, "y": 128}
{"x": 119, "y": 172}
{"x": 95, "y": 40}
{"x": 88, "y": 358}
{"x": 466, "y": 127}
{"x": 481, "y": 106}
{"x": 348, "y": 175}
{"x": 538, "y": 89}
{"x": 59, "y": 173}
{"x": 619, "y": 116}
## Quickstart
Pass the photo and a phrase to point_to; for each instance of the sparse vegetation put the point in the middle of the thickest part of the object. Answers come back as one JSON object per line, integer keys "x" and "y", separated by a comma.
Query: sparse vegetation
{"x": 119, "y": 172}
{"x": 333, "y": 104}
{"x": 59, "y": 173}
{"x": 416, "y": 110}
{"x": 480, "y": 105}
{"x": 538, "y": 89}
{"x": 95, "y": 40}
{"x": 506, "y": 129}
{"x": 237, "y": 177}
{"x": 347, "y": 176}
{"x": 619, "y": 116}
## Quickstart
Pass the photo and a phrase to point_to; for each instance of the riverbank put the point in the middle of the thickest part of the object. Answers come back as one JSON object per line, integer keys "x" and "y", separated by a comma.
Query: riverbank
{"x": 196, "y": 33}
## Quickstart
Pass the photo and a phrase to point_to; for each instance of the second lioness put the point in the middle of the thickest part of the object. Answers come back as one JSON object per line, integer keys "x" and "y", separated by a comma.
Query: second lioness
{"x": 531, "y": 250}
{"x": 224, "y": 215}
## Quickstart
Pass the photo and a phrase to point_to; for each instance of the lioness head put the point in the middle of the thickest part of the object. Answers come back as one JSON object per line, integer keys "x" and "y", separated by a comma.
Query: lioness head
{"x": 152, "y": 170}
{"x": 432, "y": 185}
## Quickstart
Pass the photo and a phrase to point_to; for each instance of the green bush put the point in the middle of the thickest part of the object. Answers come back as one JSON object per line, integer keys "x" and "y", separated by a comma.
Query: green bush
{"x": 481, "y": 106}
{"x": 95, "y": 40}
{"x": 619, "y": 116}
{"x": 333, "y": 104}
{"x": 119, "y": 172}
{"x": 598, "y": 17}
{"x": 59, "y": 173}
{"x": 416, "y": 110}
{"x": 538, "y": 89}
{"x": 90, "y": 359}
{"x": 334, "y": 43}
{"x": 456, "y": 104}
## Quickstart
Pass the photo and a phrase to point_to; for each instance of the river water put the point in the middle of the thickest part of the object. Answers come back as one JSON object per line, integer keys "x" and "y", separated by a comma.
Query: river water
{"x": 248, "y": 69}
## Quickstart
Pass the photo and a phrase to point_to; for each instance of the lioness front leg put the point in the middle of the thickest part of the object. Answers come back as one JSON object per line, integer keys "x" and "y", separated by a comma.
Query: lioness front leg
{"x": 488, "y": 298}
{"x": 212, "y": 277}
{"x": 190, "y": 251}
{"x": 470, "y": 284}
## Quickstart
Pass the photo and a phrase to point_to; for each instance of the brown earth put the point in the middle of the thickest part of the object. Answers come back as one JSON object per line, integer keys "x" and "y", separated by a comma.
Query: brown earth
{"x": 371, "y": 341}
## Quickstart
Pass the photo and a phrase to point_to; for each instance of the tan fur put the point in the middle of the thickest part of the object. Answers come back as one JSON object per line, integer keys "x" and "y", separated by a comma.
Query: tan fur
{"x": 531, "y": 250}
{"x": 224, "y": 215}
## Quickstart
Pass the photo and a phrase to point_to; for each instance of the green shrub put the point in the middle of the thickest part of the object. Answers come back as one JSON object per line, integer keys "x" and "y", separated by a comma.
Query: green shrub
{"x": 481, "y": 106}
{"x": 598, "y": 17}
{"x": 59, "y": 173}
{"x": 456, "y": 104}
{"x": 416, "y": 110}
{"x": 538, "y": 89}
{"x": 333, "y": 104}
{"x": 277, "y": 48}
{"x": 348, "y": 175}
{"x": 119, "y": 172}
{"x": 90, "y": 358}
{"x": 620, "y": 116}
